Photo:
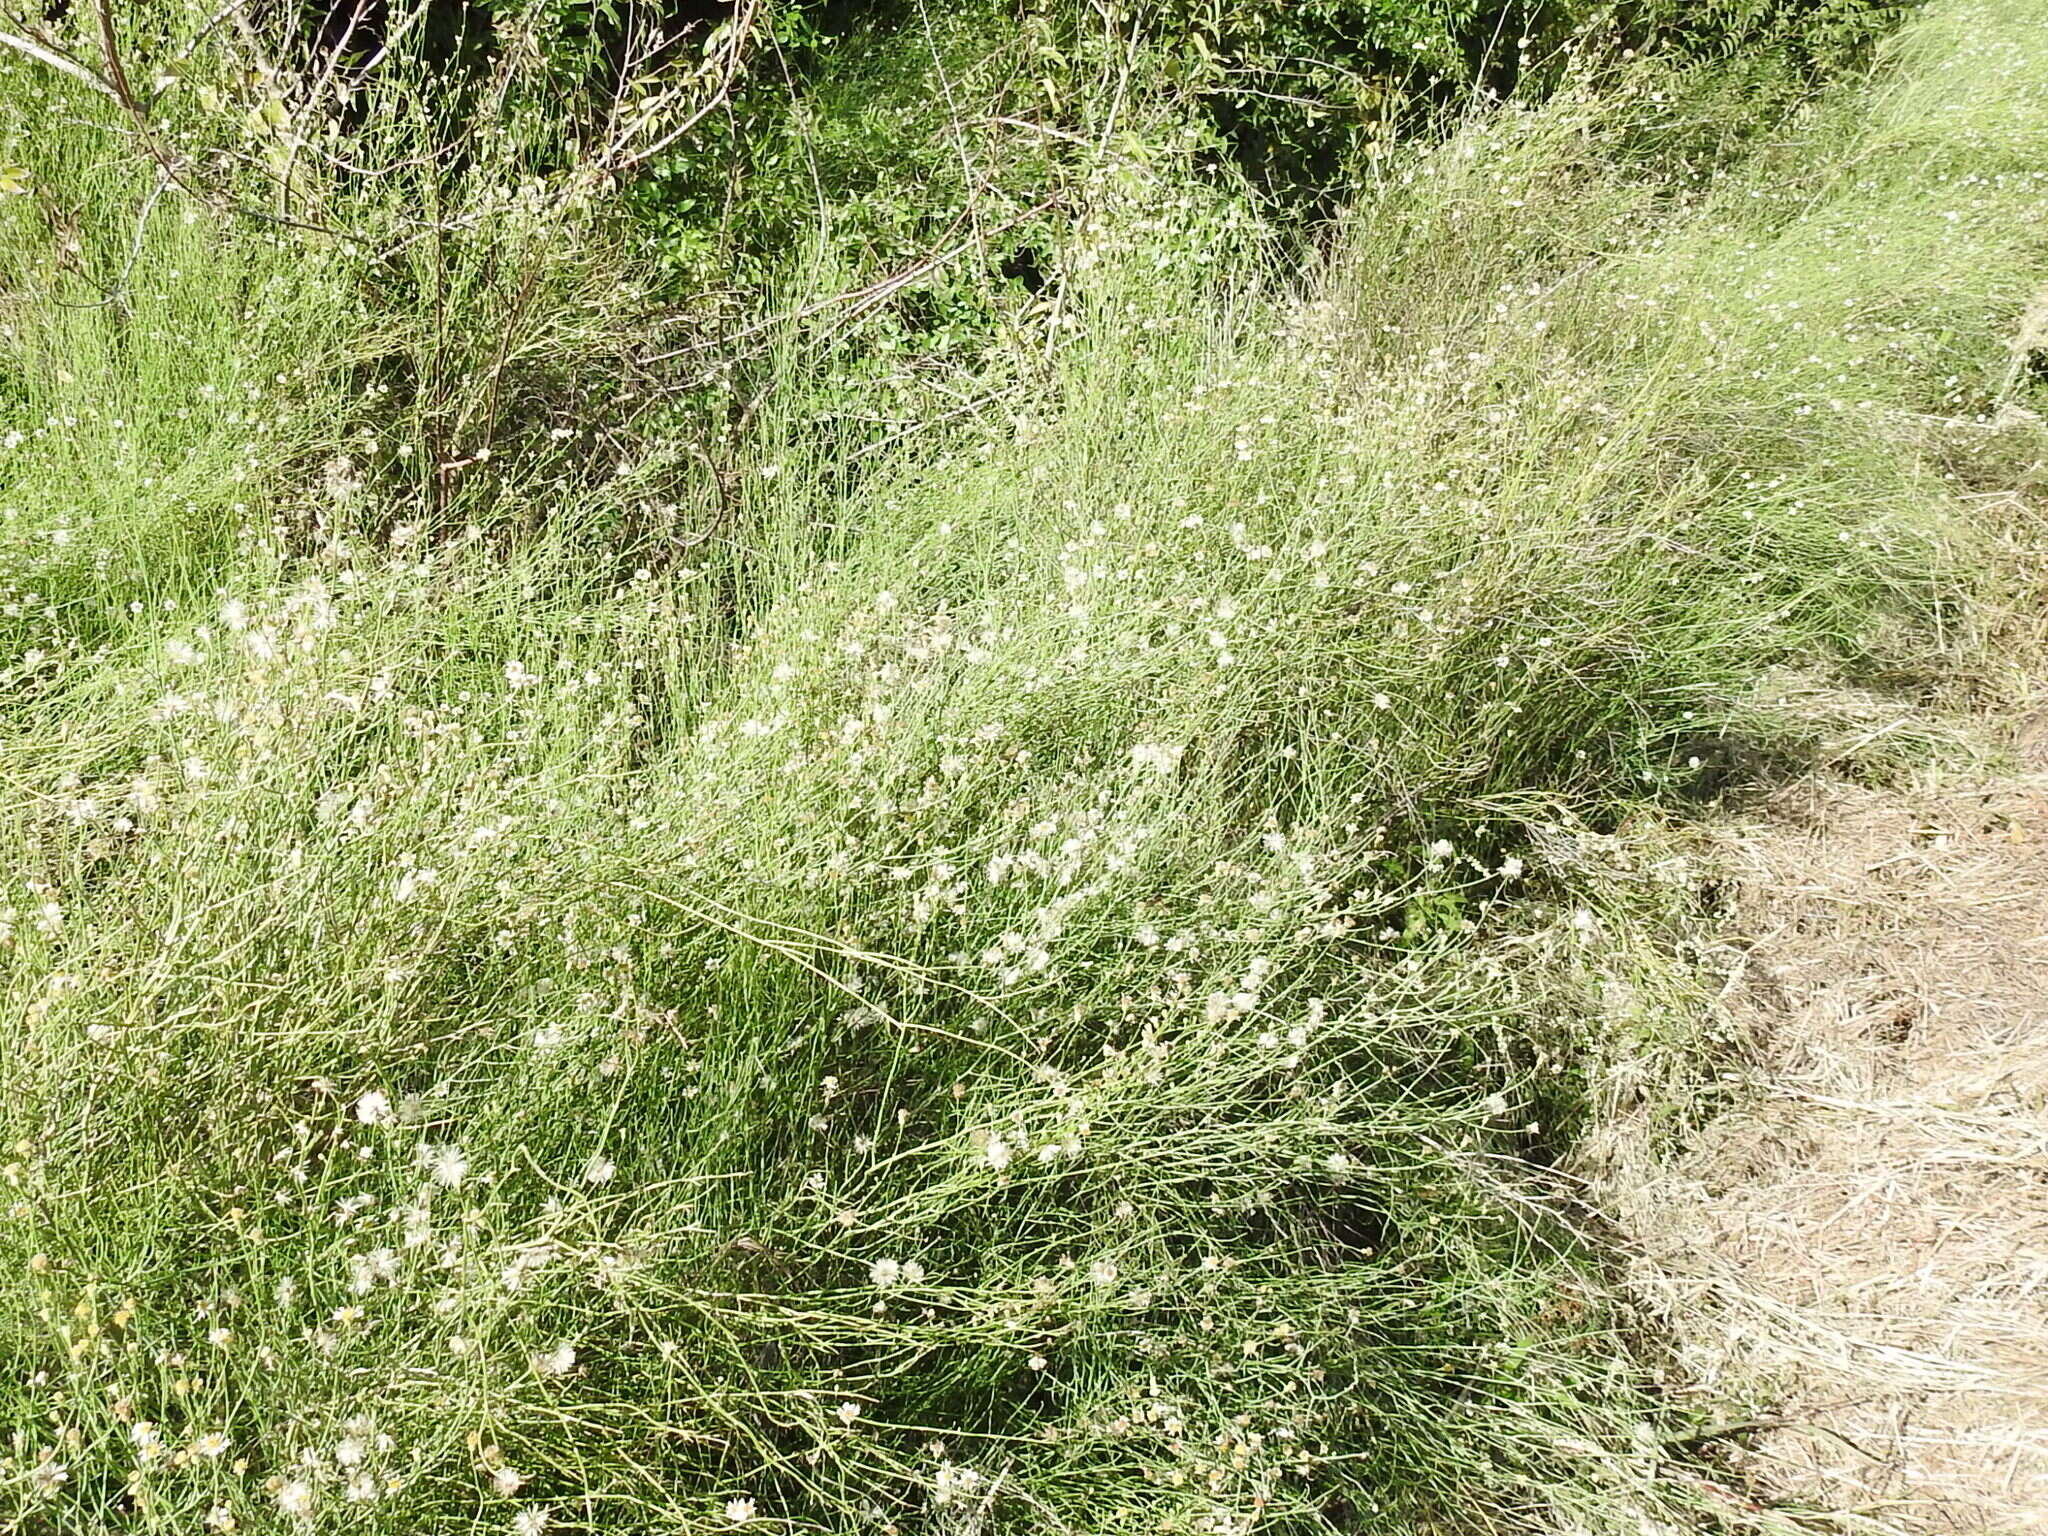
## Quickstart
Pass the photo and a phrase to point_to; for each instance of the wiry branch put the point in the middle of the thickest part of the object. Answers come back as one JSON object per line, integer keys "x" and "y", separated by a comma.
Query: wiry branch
{"x": 173, "y": 168}
{"x": 733, "y": 49}
{"x": 56, "y": 58}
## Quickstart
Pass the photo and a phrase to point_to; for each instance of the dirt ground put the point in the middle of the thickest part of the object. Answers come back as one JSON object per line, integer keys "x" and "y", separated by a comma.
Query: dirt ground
{"x": 1860, "y": 1243}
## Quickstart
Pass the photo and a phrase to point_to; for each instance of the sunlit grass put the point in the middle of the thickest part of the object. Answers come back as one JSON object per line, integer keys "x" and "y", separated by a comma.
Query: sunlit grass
{"x": 1036, "y": 994}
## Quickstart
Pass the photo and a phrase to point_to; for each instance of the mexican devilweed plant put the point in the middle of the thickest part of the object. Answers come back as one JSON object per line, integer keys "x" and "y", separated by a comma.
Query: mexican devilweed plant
{"x": 1018, "y": 999}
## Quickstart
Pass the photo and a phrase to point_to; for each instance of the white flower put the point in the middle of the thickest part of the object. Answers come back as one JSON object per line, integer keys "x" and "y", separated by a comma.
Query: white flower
{"x": 1159, "y": 758}
{"x": 1337, "y": 1162}
{"x": 374, "y": 1108}
{"x": 1511, "y": 868}
{"x": 508, "y": 1480}
{"x": 1442, "y": 848}
{"x": 952, "y": 1482}
{"x": 531, "y": 1521}
{"x": 182, "y": 653}
{"x": 365, "y": 1270}
{"x": 349, "y": 1451}
{"x": 212, "y": 1445}
{"x": 1102, "y": 1272}
{"x": 599, "y": 1170}
{"x": 998, "y": 1151}
{"x": 848, "y": 1412}
{"x": 48, "y": 1477}
{"x": 739, "y": 1511}
{"x": 412, "y": 882}
{"x": 559, "y": 1361}
{"x": 341, "y": 480}
{"x": 913, "y": 1272}
{"x": 445, "y": 1164}
{"x": 419, "y": 1224}
{"x": 885, "y": 1272}
{"x": 148, "y": 1440}
{"x": 295, "y": 1498}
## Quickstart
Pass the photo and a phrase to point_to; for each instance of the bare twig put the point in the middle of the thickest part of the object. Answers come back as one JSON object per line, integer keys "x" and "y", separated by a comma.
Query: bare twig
{"x": 172, "y": 167}
{"x": 859, "y": 301}
{"x": 57, "y": 59}
{"x": 118, "y": 292}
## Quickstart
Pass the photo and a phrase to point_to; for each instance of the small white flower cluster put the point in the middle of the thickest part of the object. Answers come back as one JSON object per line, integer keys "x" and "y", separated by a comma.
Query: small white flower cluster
{"x": 887, "y": 1274}
{"x": 955, "y": 1484}
{"x": 355, "y": 1469}
{"x": 1157, "y": 757}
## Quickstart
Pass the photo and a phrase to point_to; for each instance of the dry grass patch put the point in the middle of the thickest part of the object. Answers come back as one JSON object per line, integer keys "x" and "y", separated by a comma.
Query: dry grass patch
{"x": 1863, "y": 1244}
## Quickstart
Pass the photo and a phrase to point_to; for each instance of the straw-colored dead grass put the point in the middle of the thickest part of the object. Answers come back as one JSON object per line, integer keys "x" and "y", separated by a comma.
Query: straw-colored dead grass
{"x": 1861, "y": 1245}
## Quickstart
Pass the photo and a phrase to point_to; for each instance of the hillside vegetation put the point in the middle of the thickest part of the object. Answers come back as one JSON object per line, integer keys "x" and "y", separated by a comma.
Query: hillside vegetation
{"x": 868, "y": 895}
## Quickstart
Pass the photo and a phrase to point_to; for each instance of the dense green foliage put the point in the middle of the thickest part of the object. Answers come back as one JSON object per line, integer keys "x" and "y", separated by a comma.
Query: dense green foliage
{"x": 980, "y": 902}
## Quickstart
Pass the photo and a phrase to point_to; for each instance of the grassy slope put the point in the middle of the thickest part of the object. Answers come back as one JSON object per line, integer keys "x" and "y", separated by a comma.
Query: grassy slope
{"x": 1057, "y": 986}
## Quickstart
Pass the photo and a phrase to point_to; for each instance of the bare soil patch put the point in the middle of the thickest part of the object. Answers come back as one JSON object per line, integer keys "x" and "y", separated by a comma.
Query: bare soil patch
{"x": 1860, "y": 1245}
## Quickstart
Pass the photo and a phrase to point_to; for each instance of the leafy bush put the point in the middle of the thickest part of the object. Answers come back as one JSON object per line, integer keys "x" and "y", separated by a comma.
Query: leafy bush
{"x": 1815, "y": 37}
